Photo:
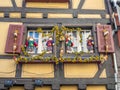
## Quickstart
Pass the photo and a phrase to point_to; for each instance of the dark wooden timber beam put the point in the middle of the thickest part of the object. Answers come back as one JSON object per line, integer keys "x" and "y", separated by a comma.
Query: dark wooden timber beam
{"x": 23, "y": 4}
{"x": 70, "y": 4}
{"x": 67, "y": 11}
{"x": 14, "y": 3}
{"x": 63, "y": 81}
{"x": 64, "y": 20}
{"x": 81, "y": 4}
{"x": 109, "y": 8}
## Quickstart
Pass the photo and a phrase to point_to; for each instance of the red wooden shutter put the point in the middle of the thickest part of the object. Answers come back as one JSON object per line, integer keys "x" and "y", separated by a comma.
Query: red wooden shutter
{"x": 116, "y": 19}
{"x": 119, "y": 37}
{"x": 101, "y": 40}
{"x": 10, "y": 38}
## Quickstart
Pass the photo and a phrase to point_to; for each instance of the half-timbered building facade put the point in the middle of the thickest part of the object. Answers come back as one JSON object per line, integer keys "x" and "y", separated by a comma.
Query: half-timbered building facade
{"x": 56, "y": 45}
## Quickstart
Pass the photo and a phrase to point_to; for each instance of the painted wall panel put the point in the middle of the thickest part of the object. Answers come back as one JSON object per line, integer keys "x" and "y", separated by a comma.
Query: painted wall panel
{"x": 19, "y": 3}
{"x": 43, "y": 88}
{"x": 68, "y": 88}
{"x": 103, "y": 74}
{"x": 5, "y": 3}
{"x": 80, "y": 70}
{"x": 17, "y": 88}
{"x": 89, "y": 16}
{"x": 38, "y": 70}
{"x": 75, "y": 3}
{"x": 61, "y": 1}
{"x": 51, "y": 15}
{"x": 34, "y": 15}
{"x": 1, "y": 14}
{"x": 7, "y": 68}
{"x": 96, "y": 88}
{"x": 47, "y": 5}
{"x": 94, "y": 4}
{"x": 15, "y": 15}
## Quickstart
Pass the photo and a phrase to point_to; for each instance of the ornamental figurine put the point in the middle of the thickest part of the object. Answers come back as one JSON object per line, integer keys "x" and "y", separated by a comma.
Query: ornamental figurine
{"x": 14, "y": 47}
{"x": 106, "y": 33}
{"x": 90, "y": 44}
{"x": 50, "y": 44}
{"x": 30, "y": 44}
{"x": 15, "y": 34}
{"x": 69, "y": 43}
{"x": 61, "y": 52}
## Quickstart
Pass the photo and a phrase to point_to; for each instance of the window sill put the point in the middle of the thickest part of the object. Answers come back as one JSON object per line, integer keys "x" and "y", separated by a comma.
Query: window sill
{"x": 65, "y": 61}
{"x": 36, "y": 61}
{"x": 92, "y": 61}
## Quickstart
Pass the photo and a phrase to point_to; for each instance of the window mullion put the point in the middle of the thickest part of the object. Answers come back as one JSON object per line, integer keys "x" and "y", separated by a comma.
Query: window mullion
{"x": 78, "y": 42}
{"x": 40, "y": 43}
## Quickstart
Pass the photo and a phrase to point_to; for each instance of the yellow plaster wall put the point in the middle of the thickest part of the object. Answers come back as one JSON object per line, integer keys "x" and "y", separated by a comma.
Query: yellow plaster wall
{"x": 80, "y": 70}
{"x": 43, "y": 88}
{"x": 1, "y": 14}
{"x": 96, "y": 88}
{"x": 50, "y": 15}
{"x": 68, "y": 88}
{"x": 38, "y": 70}
{"x": 7, "y": 68}
{"x": 3, "y": 34}
{"x": 47, "y": 5}
{"x": 15, "y": 15}
{"x": 94, "y": 4}
{"x": 75, "y": 4}
{"x": 5, "y": 3}
{"x": 19, "y": 3}
{"x": 89, "y": 16}
{"x": 34, "y": 15}
{"x": 17, "y": 88}
{"x": 103, "y": 74}
{"x": 107, "y": 16}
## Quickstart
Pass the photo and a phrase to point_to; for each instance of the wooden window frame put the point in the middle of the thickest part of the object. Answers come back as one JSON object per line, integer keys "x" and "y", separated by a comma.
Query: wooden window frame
{"x": 93, "y": 34}
{"x": 40, "y": 41}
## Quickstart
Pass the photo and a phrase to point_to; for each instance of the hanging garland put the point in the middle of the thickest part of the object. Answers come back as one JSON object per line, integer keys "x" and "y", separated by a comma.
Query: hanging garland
{"x": 28, "y": 58}
{"x": 60, "y": 33}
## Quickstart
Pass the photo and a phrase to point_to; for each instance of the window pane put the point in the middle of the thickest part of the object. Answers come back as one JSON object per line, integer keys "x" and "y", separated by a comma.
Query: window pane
{"x": 31, "y": 34}
{"x": 36, "y": 35}
{"x": 74, "y": 34}
{"x": 32, "y": 42}
{"x": 44, "y": 41}
{"x": 71, "y": 41}
{"x": 39, "y": 42}
{"x": 74, "y": 40}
